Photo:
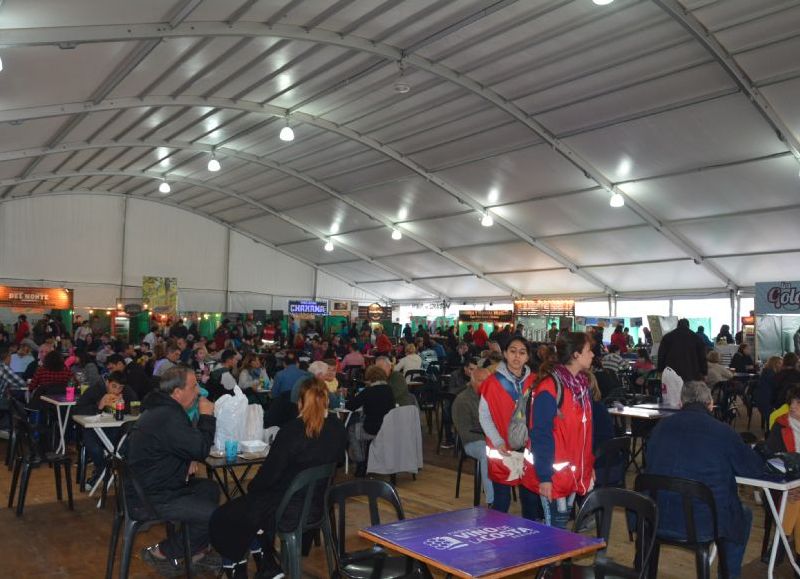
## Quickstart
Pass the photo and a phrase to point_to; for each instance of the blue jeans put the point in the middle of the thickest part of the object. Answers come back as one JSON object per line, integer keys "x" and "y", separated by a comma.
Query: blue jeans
{"x": 528, "y": 500}
{"x": 477, "y": 450}
{"x": 557, "y": 511}
{"x": 734, "y": 552}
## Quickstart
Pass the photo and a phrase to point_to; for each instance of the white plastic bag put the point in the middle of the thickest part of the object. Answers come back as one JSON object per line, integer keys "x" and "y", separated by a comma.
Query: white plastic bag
{"x": 254, "y": 428}
{"x": 671, "y": 385}
{"x": 231, "y": 413}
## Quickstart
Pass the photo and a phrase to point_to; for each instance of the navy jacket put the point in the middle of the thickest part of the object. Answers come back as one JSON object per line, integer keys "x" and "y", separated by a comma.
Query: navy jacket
{"x": 692, "y": 444}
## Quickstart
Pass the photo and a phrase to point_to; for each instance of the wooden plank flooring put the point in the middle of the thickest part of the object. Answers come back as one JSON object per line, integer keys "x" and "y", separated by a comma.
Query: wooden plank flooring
{"x": 51, "y": 541}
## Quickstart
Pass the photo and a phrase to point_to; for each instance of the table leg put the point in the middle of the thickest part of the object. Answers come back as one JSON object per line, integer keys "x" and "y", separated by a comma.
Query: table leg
{"x": 779, "y": 534}
{"x": 236, "y": 480}
{"x": 222, "y": 485}
{"x": 62, "y": 429}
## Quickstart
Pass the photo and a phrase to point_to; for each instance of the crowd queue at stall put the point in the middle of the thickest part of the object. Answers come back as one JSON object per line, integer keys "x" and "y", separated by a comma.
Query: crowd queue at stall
{"x": 533, "y": 415}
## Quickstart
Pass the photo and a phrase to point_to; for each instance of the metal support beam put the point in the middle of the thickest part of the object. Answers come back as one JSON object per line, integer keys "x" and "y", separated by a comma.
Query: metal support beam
{"x": 248, "y": 106}
{"x": 255, "y": 238}
{"x": 230, "y": 193}
{"x": 707, "y": 40}
{"x": 285, "y": 169}
{"x": 116, "y": 33}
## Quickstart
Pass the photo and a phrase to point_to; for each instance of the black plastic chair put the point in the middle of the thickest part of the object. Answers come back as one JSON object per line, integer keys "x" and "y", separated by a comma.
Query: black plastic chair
{"x": 136, "y": 519}
{"x": 600, "y": 505}
{"x": 476, "y": 473}
{"x": 611, "y": 461}
{"x": 313, "y": 482}
{"x": 29, "y": 456}
{"x": 691, "y": 492}
{"x": 374, "y": 562}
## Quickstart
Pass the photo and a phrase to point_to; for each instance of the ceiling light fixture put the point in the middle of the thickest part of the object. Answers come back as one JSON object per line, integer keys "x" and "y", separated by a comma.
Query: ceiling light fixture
{"x": 602, "y": 2}
{"x": 213, "y": 164}
{"x": 487, "y": 220}
{"x": 329, "y": 245}
{"x": 287, "y": 134}
{"x": 397, "y": 234}
{"x": 617, "y": 200}
{"x": 400, "y": 85}
{"x": 1, "y": 64}
{"x": 164, "y": 187}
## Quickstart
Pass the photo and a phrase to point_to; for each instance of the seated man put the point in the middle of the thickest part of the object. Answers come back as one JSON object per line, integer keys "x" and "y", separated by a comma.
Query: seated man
{"x": 459, "y": 380}
{"x": 135, "y": 376}
{"x": 94, "y": 401}
{"x": 221, "y": 380}
{"x": 468, "y": 426}
{"x": 613, "y": 361}
{"x": 673, "y": 450}
{"x": 161, "y": 453}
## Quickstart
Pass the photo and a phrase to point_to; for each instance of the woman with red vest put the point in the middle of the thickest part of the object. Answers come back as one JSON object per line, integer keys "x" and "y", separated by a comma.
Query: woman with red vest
{"x": 499, "y": 395}
{"x": 560, "y": 462}
{"x": 785, "y": 437}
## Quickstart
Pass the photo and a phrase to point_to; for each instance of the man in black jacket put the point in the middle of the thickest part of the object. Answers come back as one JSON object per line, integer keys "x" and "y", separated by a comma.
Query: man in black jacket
{"x": 163, "y": 451}
{"x": 135, "y": 376}
{"x": 684, "y": 352}
{"x": 94, "y": 401}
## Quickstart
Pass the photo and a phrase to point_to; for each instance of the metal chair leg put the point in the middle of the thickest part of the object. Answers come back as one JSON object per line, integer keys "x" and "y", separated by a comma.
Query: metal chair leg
{"x": 23, "y": 488}
{"x": 68, "y": 477}
{"x": 127, "y": 547}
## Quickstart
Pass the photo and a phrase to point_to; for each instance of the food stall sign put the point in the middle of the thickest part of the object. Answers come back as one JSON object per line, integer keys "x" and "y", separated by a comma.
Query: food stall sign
{"x": 35, "y": 297}
{"x": 544, "y": 308}
{"x": 778, "y": 297}
{"x": 493, "y": 316}
{"x": 315, "y": 308}
{"x": 375, "y": 312}
{"x": 340, "y": 308}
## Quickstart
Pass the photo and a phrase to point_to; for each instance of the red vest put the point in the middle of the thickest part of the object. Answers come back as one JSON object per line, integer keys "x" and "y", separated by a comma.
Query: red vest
{"x": 573, "y": 462}
{"x": 501, "y": 407}
{"x": 786, "y": 433}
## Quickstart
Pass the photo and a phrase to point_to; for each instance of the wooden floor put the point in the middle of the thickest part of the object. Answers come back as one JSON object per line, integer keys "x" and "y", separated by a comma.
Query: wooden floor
{"x": 51, "y": 541}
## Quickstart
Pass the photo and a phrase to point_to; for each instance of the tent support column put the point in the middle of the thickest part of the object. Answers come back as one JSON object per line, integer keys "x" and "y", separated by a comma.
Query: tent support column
{"x": 122, "y": 249}
{"x": 228, "y": 272}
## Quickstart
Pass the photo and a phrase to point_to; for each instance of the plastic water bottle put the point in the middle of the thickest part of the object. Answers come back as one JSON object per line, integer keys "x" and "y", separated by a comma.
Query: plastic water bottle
{"x": 341, "y": 403}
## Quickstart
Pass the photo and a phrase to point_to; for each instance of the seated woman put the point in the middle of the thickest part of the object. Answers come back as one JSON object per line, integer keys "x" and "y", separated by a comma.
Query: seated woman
{"x": 376, "y": 400}
{"x": 716, "y": 371}
{"x": 312, "y": 439}
{"x": 411, "y": 361}
{"x": 252, "y": 376}
{"x": 52, "y": 371}
{"x": 742, "y": 361}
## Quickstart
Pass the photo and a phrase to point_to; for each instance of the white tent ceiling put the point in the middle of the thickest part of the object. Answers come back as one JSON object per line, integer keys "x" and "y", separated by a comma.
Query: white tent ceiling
{"x": 535, "y": 112}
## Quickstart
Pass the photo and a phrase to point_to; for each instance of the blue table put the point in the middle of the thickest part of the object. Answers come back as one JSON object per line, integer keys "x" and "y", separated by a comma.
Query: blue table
{"x": 479, "y": 542}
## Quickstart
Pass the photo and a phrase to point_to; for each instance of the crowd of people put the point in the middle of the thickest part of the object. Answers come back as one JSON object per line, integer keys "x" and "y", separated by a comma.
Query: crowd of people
{"x": 531, "y": 414}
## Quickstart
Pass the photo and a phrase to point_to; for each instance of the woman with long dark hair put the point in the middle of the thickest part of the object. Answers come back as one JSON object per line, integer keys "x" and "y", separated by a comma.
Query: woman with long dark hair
{"x": 312, "y": 439}
{"x": 560, "y": 463}
{"x": 52, "y": 371}
{"x": 499, "y": 395}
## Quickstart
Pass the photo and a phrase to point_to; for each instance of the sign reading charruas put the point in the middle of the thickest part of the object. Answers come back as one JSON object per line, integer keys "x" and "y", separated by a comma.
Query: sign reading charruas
{"x": 778, "y": 297}
{"x": 315, "y": 308}
{"x": 36, "y": 297}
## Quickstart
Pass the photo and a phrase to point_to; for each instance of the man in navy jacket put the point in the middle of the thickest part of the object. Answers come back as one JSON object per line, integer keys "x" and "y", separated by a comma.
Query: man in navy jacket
{"x": 692, "y": 444}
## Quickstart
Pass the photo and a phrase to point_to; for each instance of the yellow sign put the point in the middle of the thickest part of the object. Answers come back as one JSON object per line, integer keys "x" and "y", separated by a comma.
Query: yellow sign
{"x": 161, "y": 294}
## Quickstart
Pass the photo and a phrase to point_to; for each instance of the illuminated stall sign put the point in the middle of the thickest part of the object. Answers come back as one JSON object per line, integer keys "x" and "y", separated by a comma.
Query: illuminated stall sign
{"x": 35, "y": 297}
{"x": 375, "y": 312}
{"x": 340, "y": 308}
{"x": 493, "y": 316}
{"x": 308, "y": 307}
{"x": 544, "y": 308}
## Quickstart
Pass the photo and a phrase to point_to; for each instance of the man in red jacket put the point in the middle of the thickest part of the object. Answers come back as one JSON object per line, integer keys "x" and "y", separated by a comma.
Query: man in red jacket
{"x": 23, "y": 328}
{"x": 383, "y": 345}
{"x": 480, "y": 337}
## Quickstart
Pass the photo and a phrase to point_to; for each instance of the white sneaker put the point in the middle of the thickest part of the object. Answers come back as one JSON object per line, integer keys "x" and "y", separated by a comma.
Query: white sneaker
{"x": 713, "y": 554}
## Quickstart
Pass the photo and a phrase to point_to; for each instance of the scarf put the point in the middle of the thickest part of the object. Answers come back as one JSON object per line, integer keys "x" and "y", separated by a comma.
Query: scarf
{"x": 577, "y": 385}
